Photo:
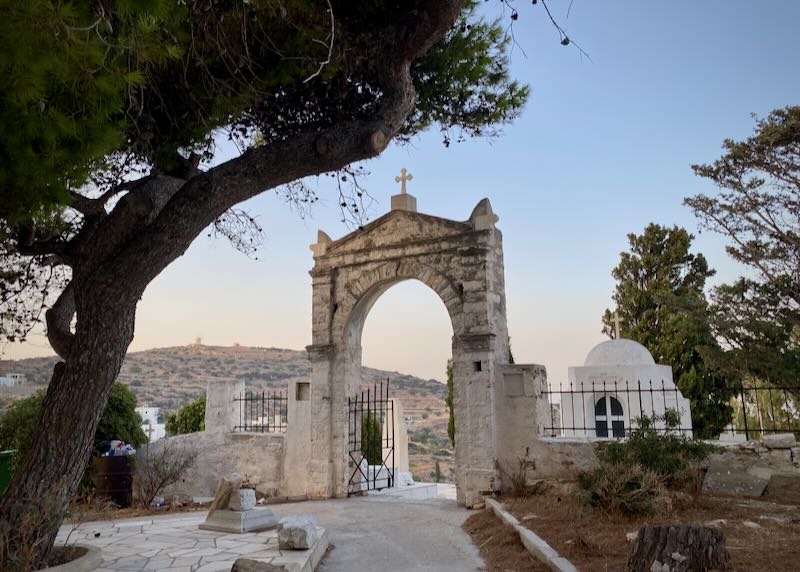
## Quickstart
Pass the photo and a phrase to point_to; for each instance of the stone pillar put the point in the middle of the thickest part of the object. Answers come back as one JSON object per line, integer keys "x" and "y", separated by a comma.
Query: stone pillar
{"x": 474, "y": 370}
{"x": 297, "y": 474}
{"x": 222, "y": 412}
{"x": 400, "y": 437}
{"x": 319, "y": 478}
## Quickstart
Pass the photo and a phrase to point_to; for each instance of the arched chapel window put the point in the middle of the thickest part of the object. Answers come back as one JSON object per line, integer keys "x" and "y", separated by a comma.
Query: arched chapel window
{"x": 609, "y": 409}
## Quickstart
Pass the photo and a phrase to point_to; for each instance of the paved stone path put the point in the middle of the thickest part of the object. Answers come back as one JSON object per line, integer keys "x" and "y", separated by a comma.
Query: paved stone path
{"x": 390, "y": 534}
{"x": 176, "y": 544}
{"x": 381, "y": 532}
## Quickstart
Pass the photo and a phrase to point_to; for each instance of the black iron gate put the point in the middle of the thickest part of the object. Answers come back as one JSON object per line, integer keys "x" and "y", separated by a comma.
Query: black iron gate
{"x": 370, "y": 429}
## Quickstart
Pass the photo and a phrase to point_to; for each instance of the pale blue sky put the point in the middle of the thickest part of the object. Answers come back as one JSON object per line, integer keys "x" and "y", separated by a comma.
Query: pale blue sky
{"x": 602, "y": 149}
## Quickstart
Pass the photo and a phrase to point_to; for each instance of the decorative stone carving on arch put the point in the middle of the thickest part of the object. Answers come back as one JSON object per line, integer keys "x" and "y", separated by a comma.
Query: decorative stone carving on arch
{"x": 463, "y": 263}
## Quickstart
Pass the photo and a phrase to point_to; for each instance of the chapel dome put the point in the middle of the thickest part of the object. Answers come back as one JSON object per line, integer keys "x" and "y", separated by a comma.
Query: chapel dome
{"x": 619, "y": 352}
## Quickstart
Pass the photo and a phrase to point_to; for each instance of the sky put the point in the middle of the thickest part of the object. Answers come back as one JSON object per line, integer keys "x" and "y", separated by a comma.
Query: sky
{"x": 603, "y": 148}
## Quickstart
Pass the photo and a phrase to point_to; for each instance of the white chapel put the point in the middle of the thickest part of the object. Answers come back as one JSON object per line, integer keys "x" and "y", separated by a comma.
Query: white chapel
{"x": 618, "y": 382}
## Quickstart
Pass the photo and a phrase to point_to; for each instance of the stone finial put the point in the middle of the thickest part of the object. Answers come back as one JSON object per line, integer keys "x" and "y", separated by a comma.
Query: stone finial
{"x": 483, "y": 217}
{"x": 321, "y": 246}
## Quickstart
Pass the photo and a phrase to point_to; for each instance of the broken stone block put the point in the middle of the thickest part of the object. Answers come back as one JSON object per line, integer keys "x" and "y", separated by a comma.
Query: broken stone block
{"x": 243, "y": 499}
{"x": 297, "y": 533}
{"x": 248, "y": 565}
{"x": 223, "y": 494}
{"x": 784, "y": 488}
{"x": 724, "y": 479}
{"x": 779, "y": 441}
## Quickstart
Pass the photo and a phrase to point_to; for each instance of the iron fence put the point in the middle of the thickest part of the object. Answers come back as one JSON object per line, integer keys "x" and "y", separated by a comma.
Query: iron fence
{"x": 606, "y": 409}
{"x": 264, "y": 412}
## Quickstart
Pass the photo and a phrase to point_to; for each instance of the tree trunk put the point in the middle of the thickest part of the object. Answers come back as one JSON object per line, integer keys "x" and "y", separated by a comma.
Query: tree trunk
{"x": 678, "y": 548}
{"x": 36, "y": 499}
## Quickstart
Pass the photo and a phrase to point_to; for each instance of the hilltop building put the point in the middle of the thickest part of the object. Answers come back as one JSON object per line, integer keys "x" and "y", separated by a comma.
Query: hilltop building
{"x": 12, "y": 379}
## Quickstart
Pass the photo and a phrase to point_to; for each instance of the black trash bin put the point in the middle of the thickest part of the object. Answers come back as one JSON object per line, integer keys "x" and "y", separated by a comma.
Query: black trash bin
{"x": 113, "y": 480}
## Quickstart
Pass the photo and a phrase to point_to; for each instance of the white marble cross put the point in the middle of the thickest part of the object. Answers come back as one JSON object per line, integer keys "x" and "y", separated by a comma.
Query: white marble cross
{"x": 617, "y": 320}
{"x": 402, "y": 178}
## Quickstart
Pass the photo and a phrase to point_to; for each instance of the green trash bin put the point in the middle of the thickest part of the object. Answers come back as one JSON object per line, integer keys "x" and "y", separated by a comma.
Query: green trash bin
{"x": 6, "y": 462}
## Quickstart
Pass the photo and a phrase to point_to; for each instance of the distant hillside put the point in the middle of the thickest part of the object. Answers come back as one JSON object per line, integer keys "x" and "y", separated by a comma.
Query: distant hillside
{"x": 171, "y": 377}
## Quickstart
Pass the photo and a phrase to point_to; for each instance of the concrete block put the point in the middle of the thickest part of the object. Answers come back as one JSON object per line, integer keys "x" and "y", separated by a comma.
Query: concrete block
{"x": 784, "y": 488}
{"x": 724, "y": 479}
{"x": 297, "y": 533}
{"x": 239, "y": 522}
{"x": 779, "y": 440}
{"x": 248, "y": 565}
{"x": 243, "y": 499}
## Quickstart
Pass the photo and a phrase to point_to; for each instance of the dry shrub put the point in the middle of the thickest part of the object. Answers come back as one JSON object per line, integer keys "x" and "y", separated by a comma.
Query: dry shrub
{"x": 156, "y": 470}
{"x": 515, "y": 479}
{"x": 38, "y": 519}
{"x": 630, "y": 489}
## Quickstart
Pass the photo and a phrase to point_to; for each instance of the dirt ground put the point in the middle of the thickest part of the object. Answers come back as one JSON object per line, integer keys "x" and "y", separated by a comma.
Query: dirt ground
{"x": 760, "y": 535}
{"x": 499, "y": 545}
{"x": 78, "y": 513}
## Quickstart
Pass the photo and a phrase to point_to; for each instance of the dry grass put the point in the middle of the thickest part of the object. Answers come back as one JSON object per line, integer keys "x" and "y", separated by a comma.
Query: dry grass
{"x": 760, "y": 535}
{"x": 499, "y": 545}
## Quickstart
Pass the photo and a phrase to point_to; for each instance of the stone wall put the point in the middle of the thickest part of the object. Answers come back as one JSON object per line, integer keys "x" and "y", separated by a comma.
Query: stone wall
{"x": 257, "y": 456}
{"x": 768, "y": 469}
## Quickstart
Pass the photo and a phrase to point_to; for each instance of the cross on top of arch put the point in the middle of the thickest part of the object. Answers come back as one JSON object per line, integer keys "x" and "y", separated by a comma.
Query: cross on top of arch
{"x": 402, "y": 178}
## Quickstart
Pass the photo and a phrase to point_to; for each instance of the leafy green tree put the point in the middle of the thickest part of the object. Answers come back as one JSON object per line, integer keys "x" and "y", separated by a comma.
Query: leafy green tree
{"x": 451, "y": 420}
{"x": 660, "y": 297}
{"x": 110, "y": 110}
{"x": 118, "y": 421}
{"x": 757, "y": 318}
{"x": 190, "y": 418}
{"x": 371, "y": 439}
{"x": 18, "y": 425}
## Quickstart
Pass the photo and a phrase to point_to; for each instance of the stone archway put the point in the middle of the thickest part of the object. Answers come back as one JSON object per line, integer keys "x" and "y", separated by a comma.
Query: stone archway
{"x": 463, "y": 263}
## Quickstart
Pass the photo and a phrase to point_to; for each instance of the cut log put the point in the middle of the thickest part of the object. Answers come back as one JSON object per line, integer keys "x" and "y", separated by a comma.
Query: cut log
{"x": 678, "y": 548}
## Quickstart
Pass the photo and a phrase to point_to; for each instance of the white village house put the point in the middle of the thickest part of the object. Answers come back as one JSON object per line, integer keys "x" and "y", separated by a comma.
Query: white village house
{"x": 150, "y": 425}
{"x": 12, "y": 379}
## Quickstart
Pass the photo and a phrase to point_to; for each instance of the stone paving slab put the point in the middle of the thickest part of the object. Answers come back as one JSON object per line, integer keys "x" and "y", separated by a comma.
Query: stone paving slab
{"x": 177, "y": 545}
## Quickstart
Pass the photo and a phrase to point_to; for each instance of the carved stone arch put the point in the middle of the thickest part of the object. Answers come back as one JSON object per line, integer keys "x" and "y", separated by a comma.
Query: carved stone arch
{"x": 463, "y": 263}
{"x": 352, "y": 312}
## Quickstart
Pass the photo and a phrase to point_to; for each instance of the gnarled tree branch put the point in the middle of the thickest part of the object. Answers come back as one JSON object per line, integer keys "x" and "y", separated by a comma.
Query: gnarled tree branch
{"x": 58, "y": 320}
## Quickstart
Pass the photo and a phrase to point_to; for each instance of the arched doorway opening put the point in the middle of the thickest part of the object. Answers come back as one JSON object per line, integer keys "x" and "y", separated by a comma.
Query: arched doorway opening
{"x": 408, "y": 331}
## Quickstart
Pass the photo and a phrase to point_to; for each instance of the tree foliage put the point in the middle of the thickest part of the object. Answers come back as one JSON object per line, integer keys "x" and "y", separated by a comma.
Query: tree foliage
{"x": 190, "y": 418}
{"x": 87, "y": 80}
{"x": 451, "y": 418}
{"x": 661, "y": 299}
{"x": 371, "y": 434}
{"x": 118, "y": 421}
{"x": 757, "y": 318}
